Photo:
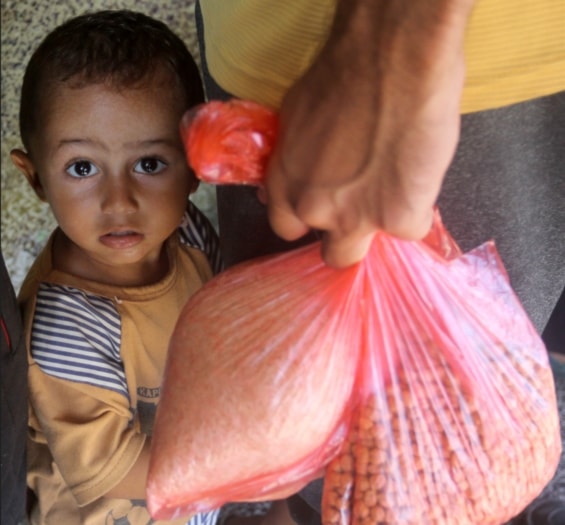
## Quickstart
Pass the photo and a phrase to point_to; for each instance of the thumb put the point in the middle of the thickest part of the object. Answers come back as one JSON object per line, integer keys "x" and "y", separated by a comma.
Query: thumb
{"x": 340, "y": 251}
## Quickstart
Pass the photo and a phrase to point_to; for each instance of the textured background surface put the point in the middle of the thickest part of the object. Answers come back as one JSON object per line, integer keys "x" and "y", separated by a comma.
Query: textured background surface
{"x": 26, "y": 222}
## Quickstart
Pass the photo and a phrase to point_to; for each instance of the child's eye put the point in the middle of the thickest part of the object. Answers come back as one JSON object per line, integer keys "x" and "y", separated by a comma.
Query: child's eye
{"x": 81, "y": 169}
{"x": 149, "y": 165}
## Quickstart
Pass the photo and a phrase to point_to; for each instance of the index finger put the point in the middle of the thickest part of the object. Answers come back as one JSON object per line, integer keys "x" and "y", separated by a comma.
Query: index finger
{"x": 341, "y": 250}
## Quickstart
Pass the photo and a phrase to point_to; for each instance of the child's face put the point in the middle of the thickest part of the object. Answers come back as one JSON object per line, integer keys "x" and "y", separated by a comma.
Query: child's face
{"x": 112, "y": 166}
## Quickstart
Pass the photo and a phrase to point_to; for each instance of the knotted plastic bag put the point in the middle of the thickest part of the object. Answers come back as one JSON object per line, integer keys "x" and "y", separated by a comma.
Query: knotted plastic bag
{"x": 230, "y": 142}
{"x": 414, "y": 378}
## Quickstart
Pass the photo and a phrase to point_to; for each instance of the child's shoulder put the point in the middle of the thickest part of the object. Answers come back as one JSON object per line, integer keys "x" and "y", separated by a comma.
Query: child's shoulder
{"x": 40, "y": 269}
{"x": 78, "y": 302}
{"x": 76, "y": 335}
{"x": 197, "y": 231}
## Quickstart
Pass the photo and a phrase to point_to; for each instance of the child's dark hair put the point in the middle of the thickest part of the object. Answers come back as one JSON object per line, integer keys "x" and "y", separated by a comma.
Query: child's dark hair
{"x": 121, "y": 47}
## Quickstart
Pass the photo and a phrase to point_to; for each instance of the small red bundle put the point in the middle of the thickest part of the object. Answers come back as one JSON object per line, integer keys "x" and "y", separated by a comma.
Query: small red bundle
{"x": 229, "y": 142}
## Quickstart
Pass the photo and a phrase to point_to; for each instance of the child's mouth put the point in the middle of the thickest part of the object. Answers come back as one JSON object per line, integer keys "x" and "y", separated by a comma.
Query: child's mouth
{"x": 121, "y": 239}
{"x": 122, "y": 234}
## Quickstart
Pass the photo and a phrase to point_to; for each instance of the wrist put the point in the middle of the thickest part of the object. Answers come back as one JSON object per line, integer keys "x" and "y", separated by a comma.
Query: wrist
{"x": 404, "y": 29}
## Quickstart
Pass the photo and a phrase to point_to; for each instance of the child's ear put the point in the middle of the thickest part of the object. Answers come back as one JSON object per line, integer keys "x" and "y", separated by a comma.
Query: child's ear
{"x": 194, "y": 182}
{"x": 22, "y": 161}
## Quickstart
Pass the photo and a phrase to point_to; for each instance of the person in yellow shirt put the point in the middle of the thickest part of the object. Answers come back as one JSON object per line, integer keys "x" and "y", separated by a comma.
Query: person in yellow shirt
{"x": 389, "y": 107}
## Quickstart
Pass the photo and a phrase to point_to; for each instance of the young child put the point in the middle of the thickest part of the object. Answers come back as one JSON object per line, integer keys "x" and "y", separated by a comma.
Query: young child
{"x": 101, "y": 103}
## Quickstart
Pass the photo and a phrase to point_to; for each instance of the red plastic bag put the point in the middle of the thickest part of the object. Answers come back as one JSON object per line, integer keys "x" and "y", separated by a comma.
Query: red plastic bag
{"x": 455, "y": 418}
{"x": 413, "y": 377}
{"x": 261, "y": 366}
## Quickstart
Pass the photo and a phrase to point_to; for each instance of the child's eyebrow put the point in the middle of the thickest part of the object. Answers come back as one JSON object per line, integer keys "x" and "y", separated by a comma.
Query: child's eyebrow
{"x": 129, "y": 145}
{"x": 151, "y": 142}
{"x": 70, "y": 142}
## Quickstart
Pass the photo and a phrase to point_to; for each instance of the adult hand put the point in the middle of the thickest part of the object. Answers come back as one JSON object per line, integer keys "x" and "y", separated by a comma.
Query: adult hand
{"x": 368, "y": 132}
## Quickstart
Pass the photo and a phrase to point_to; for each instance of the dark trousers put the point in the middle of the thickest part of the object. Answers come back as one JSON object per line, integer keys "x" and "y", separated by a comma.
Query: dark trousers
{"x": 13, "y": 390}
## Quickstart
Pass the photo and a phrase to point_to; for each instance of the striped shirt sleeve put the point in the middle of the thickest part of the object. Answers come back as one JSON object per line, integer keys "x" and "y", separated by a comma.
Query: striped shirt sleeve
{"x": 205, "y": 518}
{"x": 76, "y": 336}
{"x": 197, "y": 231}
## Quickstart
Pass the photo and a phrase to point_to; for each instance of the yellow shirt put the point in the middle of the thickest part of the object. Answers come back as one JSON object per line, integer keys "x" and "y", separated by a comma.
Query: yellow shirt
{"x": 96, "y": 359}
{"x": 515, "y": 49}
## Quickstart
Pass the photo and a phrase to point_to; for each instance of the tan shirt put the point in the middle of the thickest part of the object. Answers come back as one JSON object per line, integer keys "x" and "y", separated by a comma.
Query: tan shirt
{"x": 255, "y": 49}
{"x": 95, "y": 368}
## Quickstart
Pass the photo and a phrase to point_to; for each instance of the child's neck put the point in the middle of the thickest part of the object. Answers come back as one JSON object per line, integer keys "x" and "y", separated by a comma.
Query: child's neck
{"x": 70, "y": 258}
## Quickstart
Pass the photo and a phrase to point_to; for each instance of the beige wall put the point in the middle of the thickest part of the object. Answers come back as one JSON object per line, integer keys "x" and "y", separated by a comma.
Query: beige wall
{"x": 26, "y": 222}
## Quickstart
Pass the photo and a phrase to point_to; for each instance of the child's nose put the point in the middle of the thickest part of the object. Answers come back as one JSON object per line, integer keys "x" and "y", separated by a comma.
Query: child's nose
{"x": 118, "y": 195}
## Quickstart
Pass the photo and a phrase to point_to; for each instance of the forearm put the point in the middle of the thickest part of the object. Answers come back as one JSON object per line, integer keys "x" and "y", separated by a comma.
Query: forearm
{"x": 359, "y": 20}
{"x": 412, "y": 37}
{"x": 132, "y": 486}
